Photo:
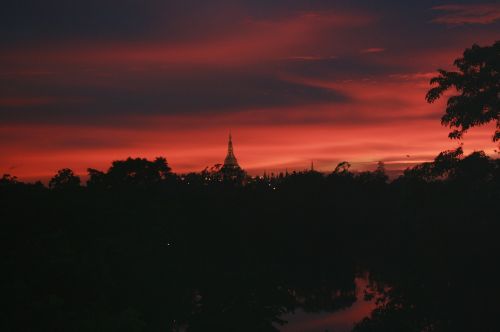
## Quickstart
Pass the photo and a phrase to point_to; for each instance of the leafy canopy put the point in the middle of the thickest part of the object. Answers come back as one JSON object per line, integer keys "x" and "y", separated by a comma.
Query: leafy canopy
{"x": 478, "y": 83}
{"x": 64, "y": 179}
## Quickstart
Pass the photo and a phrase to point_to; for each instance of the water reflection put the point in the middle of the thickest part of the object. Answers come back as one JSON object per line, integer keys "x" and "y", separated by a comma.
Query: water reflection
{"x": 342, "y": 320}
{"x": 248, "y": 259}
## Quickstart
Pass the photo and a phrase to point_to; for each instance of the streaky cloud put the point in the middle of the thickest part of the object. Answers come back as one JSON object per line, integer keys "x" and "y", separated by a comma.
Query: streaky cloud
{"x": 460, "y": 14}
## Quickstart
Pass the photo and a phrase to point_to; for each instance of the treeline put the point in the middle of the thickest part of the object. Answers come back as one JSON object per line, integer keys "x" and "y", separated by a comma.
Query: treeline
{"x": 135, "y": 173}
{"x": 140, "y": 248}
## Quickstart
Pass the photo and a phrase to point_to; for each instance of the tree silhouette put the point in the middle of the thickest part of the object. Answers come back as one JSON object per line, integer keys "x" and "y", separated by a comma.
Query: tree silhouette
{"x": 446, "y": 162}
{"x": 478, "y": 82}
{"x": 380, "y": 172}
{"x": 128, "y": 254}
{"x": 97, "y": 179}
{"x": 64, "y": 179}
{"x": 131, "y": 172}
{"x": 8, "y": 179}
{"x": 342, "y": 168}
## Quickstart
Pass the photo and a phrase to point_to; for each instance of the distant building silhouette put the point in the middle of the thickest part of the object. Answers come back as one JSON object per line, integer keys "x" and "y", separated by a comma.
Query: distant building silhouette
{"x": 231, "y": 170}
{"x": 230, "y": 162}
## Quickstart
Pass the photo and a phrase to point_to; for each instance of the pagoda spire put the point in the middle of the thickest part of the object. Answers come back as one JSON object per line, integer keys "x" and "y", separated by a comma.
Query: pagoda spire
{"x": 230, "y": 161}
{"x": 230, "y": 145}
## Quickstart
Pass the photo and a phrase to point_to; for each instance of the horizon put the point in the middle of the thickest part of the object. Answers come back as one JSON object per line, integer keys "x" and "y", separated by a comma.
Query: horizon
{"x": 394, "y": 168}
{"x": 86, "y": 84}
{"x": 249, "y": 165}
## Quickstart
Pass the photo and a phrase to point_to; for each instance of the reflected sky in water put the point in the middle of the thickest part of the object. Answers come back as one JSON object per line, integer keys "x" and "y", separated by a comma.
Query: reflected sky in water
{"x": 339, "y": 321}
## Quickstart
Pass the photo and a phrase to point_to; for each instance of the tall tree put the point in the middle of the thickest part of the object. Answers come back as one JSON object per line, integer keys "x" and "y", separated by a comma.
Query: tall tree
{"x": 478, "y": 83}
{"x": 64, "y": 179}
{"x": 138, "y": 172}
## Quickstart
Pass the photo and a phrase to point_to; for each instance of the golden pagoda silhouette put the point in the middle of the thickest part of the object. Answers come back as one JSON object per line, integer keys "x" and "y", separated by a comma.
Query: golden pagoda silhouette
{"x": 230, "y": 162}
{"x": 231, "y": 170}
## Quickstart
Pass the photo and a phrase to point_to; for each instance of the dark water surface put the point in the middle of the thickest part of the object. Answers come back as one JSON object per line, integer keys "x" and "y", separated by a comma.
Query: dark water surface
{"x": 224, "y": 258}
{"x": 342, "y": 320}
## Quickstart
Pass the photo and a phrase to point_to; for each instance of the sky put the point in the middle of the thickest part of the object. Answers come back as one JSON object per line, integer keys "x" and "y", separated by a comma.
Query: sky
{"x": 83, "y": 83}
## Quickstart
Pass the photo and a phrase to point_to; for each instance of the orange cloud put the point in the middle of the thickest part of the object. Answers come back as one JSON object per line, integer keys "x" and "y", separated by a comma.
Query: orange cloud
{"x": 137, "y": 108}
{"x": 249, "y": 41}
{"x": 190, "y": 143}
{"x": 373, "y": 50}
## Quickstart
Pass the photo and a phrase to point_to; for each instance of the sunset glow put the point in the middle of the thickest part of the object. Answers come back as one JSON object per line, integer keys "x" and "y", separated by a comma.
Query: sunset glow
{"x": 328, "y": 83}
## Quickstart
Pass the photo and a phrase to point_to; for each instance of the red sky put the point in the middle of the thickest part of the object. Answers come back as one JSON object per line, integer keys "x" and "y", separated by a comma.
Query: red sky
{"x": 294, "y": 82}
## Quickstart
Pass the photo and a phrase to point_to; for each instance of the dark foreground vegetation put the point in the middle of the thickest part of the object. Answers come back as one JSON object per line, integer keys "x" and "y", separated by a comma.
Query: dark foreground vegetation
{"x": 141, "y": 249}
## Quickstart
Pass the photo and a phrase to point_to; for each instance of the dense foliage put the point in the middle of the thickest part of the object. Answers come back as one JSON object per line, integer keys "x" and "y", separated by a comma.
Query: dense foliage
{"x": 478, "y": 83}
{"x": 142, "y": 249}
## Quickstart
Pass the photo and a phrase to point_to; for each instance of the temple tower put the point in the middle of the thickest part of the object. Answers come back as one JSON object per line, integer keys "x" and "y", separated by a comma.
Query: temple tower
{"x": 231, "y": 170}
{"x": 230, "y": 162}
